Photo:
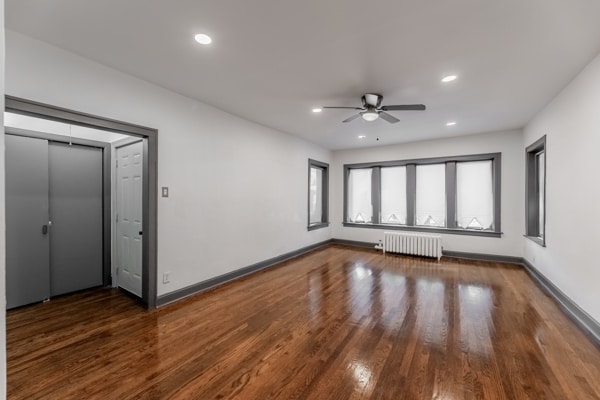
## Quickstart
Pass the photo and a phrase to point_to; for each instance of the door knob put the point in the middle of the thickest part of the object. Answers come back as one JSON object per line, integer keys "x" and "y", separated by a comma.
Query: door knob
{"x": 140, "y": 233}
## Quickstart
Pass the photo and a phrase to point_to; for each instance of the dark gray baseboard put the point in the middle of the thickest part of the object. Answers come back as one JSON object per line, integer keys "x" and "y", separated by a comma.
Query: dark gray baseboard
{"x": 354, "y": 243}
{"x": 585, "y": 322}
{"x": 233, "y": 275}
{"x": 483, "y": 257}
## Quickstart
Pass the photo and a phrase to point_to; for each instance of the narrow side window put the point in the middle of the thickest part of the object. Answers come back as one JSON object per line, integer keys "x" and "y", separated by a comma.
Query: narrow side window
{"x": 536, "y": 191}
{"x": 318, "y": 198}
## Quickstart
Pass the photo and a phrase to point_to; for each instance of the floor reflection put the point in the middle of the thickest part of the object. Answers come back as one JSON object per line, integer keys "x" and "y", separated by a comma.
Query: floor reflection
{"x": 475, "y": 309}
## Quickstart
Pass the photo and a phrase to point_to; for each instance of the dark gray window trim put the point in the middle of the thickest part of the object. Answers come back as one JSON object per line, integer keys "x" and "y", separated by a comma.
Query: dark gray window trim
{"x": 325, "y": 196}
{"x": 531, "y": 196}
{"x": 457, "y": 231}
{"x": 150, "y": 183}
{"x": 451, "y": 227}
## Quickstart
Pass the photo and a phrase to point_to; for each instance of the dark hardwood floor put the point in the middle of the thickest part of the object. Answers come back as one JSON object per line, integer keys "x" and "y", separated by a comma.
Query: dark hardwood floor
{"x": 338, "y": 323}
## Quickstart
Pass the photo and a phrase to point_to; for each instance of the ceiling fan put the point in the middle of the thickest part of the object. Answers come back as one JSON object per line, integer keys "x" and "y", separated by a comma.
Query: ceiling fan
{"x": 372, "y": 109}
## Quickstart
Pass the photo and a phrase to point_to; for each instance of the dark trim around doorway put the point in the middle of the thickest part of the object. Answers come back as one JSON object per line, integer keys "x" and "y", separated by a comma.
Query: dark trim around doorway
{"x": 149, "y": 239}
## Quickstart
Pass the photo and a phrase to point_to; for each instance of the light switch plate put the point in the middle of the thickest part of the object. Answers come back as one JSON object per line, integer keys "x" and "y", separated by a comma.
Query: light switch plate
{"x": 165, "y": 191}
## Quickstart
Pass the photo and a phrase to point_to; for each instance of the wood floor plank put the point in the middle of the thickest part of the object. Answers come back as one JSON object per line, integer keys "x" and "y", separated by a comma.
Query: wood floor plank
{"x": 336, "y": 323}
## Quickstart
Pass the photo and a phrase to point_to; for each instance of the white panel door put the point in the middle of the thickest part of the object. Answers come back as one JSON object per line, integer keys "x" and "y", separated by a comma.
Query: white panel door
{"x": 129, "y": 217}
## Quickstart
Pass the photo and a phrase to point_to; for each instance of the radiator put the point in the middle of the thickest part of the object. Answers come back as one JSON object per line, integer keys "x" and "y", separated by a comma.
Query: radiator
{"x": 419, "y": 244}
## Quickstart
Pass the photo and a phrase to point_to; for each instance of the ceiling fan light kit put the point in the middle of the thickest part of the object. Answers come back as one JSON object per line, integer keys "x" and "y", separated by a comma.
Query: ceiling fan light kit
{"x": 369, "y": 115}
{"x": 372, "y": 109}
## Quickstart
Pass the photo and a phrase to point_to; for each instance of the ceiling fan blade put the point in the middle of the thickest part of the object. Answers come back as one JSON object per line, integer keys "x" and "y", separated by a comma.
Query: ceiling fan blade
{"x": 388, "y": 117}
{"x": 345, "y": 108}
{"x": 405, "y": 107}
{"x": 352, "y": 118}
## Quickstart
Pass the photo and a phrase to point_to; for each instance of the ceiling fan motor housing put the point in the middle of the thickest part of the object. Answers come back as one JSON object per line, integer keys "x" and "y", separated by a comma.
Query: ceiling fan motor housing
{"x": 372, "y": 99}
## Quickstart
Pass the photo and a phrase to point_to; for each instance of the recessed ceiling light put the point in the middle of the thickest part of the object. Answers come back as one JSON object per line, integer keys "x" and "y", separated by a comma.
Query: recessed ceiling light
{"x": 449, "y": 78}
{"x": 317, "y": 110}
{"x": 362, "y": 137}
{"x": 203, "y": 39}
{"x": 450, "y": 123}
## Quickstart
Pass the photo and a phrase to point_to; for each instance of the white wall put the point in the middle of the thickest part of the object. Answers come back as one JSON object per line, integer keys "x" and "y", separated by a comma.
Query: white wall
{"x": 571, "y": 123}
{"x": 2, "y": 220}
{"x": 508, "y": 143}
{"x": 238, "y": 190}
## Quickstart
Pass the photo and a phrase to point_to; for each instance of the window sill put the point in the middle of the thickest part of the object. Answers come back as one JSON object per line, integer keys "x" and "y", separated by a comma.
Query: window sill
{"x": 448, "y": 231}
{"x": 538, "y": 240}
{"x": 318, "y": 225}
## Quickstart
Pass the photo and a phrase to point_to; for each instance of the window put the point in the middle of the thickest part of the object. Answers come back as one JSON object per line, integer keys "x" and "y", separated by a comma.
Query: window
{"x": 316, "y": 196}
{"x": 536, "y": 191}
{"x": 359, "y": 196}
{"x": 393, "y": 195}
{"x": 475, "y": 195}
{"x": 458, "y": 195}
{"x": 318, "y": 199}
{"x": 431, "y": 195}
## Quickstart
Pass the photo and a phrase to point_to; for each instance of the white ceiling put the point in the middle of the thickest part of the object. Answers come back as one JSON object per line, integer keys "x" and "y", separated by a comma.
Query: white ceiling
{"x": 272, "y": 61}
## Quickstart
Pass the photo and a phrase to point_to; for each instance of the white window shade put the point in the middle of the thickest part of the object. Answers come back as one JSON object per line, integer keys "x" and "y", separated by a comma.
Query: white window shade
{"x": 475, "y": 195}
{"x": 360, "y": 208}
{"x": 316, "y": 195}
{"x": 393, "y": 195}
{"x": 431, "y": 195}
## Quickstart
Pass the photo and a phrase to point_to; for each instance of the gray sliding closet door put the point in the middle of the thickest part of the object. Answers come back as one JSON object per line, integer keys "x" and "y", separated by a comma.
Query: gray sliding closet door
{"x": 76, "y": 214}
{"x": 27, "y": 238}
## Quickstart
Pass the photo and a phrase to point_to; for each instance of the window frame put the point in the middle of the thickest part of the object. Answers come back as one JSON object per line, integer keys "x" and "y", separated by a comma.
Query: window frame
{"x": 532, "y": 228}
{"x": 411, "y": 164}
{"x": 324, "y": 167}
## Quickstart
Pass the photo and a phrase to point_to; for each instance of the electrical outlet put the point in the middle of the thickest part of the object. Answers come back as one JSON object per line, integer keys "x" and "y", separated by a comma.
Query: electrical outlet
{"x": 165, "y": 191}
{"x": 166, "y": 277}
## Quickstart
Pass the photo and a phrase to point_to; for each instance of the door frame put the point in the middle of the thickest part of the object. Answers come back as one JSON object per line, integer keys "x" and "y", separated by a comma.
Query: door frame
{"x": 149, "y": 182}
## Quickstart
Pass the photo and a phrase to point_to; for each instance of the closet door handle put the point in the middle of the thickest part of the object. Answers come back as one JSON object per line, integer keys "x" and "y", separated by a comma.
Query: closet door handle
{"x": 44, "y": 229}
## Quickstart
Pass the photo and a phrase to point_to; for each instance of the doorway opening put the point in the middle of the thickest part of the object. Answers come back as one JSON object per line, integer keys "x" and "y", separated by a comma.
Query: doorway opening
{"x": 128, "y": 195}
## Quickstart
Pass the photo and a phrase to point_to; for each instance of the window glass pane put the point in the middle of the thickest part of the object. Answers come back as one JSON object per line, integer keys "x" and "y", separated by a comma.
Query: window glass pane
{"x": 431, "y": 195}
{"x": 540, "y": 191}
{"x": 316, "y": 195}
{"x": 359, "y": 195}
{"x": 393, "y": 195}
{"x": 474, "y": 195}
